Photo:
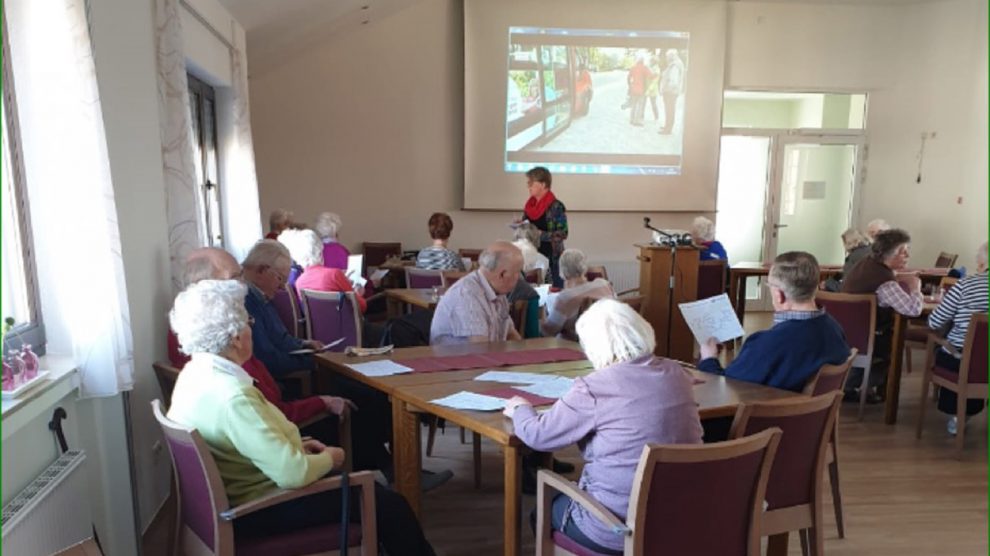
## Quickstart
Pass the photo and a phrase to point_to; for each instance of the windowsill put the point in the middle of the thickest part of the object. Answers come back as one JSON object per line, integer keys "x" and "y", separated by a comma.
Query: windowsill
{"x": 61, "y": 381}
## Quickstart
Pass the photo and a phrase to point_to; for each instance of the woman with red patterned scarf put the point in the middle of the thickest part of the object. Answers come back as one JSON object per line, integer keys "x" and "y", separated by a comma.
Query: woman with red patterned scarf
{"x": 549, "y": 215}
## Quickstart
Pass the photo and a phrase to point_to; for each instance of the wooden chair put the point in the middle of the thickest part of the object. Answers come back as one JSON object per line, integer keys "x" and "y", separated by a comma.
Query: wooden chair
{"x": 971, "y": 380}
{"x": 286, "y": 304}
{"x": 376, "y": 253}
{"x": 711, "y": 278}
{"x": 857, "y": 315}
{"x": 451, "y": 276}
{"x": 832, "y": 378}
{"x": 597, "y": 271}
{"x": 472, "y": 254}
{"x": 166, "y": 375}
{"x": 794, "y": 491}
{"x": 518, "y": 314}
{"x": 687, "y": 499}
{"x": 535, "y": 276}
{"x": 331, "y": 316}
{"x": 946, "y": 283}
{"x": 946, "y": 260}
{"x": 423, "y": 278}
{"x": 205, "y": 524}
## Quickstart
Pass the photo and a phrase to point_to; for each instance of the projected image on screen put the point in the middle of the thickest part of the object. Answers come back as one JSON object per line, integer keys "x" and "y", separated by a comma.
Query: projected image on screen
{"x": 586, "y": 101}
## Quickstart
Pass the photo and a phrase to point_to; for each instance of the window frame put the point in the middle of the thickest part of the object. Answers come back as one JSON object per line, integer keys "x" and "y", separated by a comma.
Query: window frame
{"x": 32, "y": 332}
{"x": 205, "y": 92}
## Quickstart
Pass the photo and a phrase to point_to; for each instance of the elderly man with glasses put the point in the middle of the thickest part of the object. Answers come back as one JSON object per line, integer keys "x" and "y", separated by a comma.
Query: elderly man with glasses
{"x": 266, "y": 269}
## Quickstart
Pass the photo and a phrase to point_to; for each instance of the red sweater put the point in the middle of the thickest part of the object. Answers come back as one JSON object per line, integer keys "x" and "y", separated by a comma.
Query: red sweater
{"x": 297, "y": 411}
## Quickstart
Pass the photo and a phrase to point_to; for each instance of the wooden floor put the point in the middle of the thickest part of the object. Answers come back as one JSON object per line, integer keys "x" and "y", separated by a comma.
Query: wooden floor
{"x": 901, "y": 496}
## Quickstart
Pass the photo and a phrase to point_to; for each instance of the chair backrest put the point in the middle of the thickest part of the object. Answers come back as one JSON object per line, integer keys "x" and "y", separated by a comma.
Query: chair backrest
{"x": 201, "y": 495}
{"x": 534, "y": 276}
{"x": 796, "y": 476}
{"x": 947, "y": 282}
{"x": 472, "y": 254}
{"x": 422, "y": 278}
{"x": 711, "y": 278}
{"x": 518, "y": 314}
{"x": 856, "y": 313}
{"x": 830, "y": 378}
{"x": 331, "y": 316}
{"x": 451, "y": 276}
{"x": 377, "y": 253}
{"x": 946, "y": 260}
{"x": 286, "y": 305}
{"x": 973, "y": 367}
{"x": 701, "y": 499}
{"x": 166, "y": 375}
{"x": 597, "y": 271}
{"x": 634, "y": 301}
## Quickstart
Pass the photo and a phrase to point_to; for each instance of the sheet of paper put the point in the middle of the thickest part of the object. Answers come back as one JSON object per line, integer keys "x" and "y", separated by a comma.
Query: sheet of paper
{"x": 544, "y": 293}
{"x": 510, "y": 377}
{"x": 555, "y": 388}
{"x": 354, "y": 264}
{"x": 378, "y": 274}
{"x": 471, "y": 401}
{"x": 326, "y": 347}
{"x": 712, "y": 318}
{"x": 380, "y": 368}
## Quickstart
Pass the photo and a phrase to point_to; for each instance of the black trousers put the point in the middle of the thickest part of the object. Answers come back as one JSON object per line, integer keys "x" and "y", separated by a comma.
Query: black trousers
{"x": 399, "y": 532}
{"x": 546, "y": 249}
{"x": 947, "y": 399}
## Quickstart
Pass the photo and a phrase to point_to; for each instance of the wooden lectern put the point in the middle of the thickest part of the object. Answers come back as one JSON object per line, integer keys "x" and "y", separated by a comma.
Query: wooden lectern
{"x": 668, "y": 276}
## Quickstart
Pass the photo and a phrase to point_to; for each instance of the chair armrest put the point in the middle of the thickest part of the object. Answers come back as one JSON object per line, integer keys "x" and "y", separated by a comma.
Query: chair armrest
{"x": 363, "y": 478}
{"x": 626, "y": 292}
{"x": 551, "y": 480}
{"x": 378, "y": 295}
{"x": 305, "y": 379}
{"x": 933, "y": 339}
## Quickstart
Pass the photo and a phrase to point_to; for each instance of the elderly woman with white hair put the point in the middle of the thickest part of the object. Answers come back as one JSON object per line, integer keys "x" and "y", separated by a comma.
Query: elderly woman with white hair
{"x": 307, "y": 251}
{"x": 328, "y": 226}
{"x": 632, "y": 398}
{"x": 527, "y": 237}
{"x": 966, "y": 298}
{"x": 577, "y": 292}
{"x": 703, "y": 235}
{"x": 256, "y": 448}
{"x": 876, "y": 226}
{"x": 278, "y": 221}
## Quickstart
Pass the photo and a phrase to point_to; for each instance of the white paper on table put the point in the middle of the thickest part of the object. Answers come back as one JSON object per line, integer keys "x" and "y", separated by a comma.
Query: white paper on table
{"x": 378, "y": 274}
{"x": 712, "y": 318}
{"x": 510, "y": 377}
{"x": 326, "y": 347}
{"x": 471, "y": 401}
{"x": 555, "y": 388}
{"x": 353, "y": 272}
{"x": 383, "y": 367}
{"x": 544, "y": 293}
{"x": 551, "y": 301}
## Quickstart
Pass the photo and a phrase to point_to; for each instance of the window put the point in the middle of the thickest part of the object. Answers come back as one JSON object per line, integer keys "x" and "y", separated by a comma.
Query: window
{"x": 19, "y": 298}
{"x": 202, "y": 105}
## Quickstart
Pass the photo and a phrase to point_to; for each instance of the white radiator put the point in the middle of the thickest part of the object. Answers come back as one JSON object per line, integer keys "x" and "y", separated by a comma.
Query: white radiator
{"x": 51, "y": 513}
{"x": 624, "y": 275}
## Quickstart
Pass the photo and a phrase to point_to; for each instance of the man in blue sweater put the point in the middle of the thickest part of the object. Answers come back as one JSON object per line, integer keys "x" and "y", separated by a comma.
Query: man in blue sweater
{"x": 802, "y": 339}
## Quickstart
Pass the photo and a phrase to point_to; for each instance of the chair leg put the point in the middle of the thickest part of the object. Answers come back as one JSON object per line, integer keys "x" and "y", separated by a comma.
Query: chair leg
{"x": 863, "y": 389}
{"x": 463, "y": 440}
{"x": 833, "y": 480}
{"x": 476, "y": 448}
{"x": 961, "y": 400}
{"x": 907, "y": 358}
{"x": 926, "y": 382}
{"x": 431, "y": 436}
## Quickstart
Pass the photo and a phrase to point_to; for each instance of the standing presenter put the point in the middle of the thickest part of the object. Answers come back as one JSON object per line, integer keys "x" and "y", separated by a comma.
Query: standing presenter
{"x": 549, "y": 215}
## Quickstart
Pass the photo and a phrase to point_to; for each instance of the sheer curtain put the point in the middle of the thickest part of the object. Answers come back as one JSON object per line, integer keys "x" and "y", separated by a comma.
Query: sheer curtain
{"x": 73, "y": 213}
{"x": 184, "y": 204}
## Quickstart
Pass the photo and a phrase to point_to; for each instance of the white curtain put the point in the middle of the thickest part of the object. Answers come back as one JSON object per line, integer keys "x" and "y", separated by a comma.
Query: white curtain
{"x": 73, "y": 213}
{"x": 184, "y": 204}
{"x": 239, "y": 183}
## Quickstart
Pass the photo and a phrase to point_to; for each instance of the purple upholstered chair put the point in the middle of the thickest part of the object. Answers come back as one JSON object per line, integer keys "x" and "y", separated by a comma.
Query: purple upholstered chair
{"x": 857, "y": 315}
{"x": 831, "y": 378}
{"x": 205, "y": 524}
{"x": 971, "y": 380}
{"x": 422, "y": 278}
{"x": 331, "y": 316}
{"x": 688, "y": 499}
{"x": 287, "y": 306}
{"x": 794, "y": 492}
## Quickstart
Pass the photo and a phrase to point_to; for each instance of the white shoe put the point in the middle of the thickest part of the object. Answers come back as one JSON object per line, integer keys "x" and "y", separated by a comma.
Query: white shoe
{"x": 952, "y": 425}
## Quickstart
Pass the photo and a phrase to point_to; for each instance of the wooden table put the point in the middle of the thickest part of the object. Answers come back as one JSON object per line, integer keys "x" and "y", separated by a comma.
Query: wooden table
{"x": 398, "y": 298}
{"x": 895, "y": 370}
{"x": 410, "y": 394}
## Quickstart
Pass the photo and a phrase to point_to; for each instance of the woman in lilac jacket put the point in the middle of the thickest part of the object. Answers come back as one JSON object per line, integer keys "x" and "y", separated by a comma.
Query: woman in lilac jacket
{"x": 631, "y": 399}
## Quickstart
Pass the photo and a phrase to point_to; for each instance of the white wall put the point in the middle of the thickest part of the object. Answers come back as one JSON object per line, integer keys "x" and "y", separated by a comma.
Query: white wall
{"x": 369, "y": 123}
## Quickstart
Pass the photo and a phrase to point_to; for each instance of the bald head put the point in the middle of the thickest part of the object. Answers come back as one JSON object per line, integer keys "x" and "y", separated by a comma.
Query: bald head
{"x": 501, "y": 264}
{"x": 210, "y": 263}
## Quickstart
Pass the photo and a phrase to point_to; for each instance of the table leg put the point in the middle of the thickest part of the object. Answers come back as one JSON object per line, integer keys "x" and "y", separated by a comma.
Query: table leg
{"x": 406, "y": 453}
{"x": 894, "y": 371}
{"x": 476, "y": 453}
{"x": 513, "y": 501}
{"x": 393, "y": 307}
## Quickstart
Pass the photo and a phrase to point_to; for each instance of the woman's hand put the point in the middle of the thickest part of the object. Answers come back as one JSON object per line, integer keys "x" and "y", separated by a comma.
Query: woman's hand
{"x": 313, "y": 446}
{"x": 512, "y": 404}
{"x": 338, "y": 406}
{"x": 315, "y": 345}
{"x": 709, "y": 349}
{"x": 338, "y": 456}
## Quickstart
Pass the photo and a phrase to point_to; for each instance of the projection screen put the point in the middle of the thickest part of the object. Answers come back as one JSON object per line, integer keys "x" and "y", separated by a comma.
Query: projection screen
{"x": 621, "y": 101}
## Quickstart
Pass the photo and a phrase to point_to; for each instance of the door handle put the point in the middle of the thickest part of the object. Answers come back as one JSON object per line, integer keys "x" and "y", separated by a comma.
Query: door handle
{"x": 778, "y": 226}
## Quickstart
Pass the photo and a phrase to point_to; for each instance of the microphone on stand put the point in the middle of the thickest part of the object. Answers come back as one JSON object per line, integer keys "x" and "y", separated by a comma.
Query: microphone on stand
{"x": 670, "y": 239}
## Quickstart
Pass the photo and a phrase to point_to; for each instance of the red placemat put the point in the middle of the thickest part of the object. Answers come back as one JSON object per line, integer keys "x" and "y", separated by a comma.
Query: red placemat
{"x": 509, "y": 392}
{"x": 489, "y": 360}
